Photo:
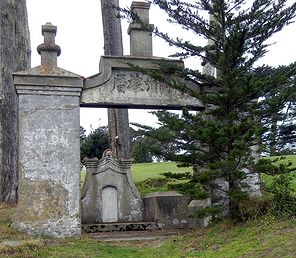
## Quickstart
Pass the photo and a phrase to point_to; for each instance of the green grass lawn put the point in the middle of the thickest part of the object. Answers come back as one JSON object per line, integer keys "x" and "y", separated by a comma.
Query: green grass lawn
{"x": 143, "y": 171}
{"x": 265, "y": 237}
{"x": 287, "y": 158}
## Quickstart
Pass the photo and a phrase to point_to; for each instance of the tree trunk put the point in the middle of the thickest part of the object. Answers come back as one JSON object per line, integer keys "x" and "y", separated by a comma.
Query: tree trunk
{"x": 273, "y": 134}
{"x": 118, "y": 123}
{"x": 14, "y": 56}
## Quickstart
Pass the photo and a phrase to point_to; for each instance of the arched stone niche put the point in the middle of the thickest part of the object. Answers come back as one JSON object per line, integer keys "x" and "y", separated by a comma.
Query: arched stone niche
{"x": 109, "y": 204}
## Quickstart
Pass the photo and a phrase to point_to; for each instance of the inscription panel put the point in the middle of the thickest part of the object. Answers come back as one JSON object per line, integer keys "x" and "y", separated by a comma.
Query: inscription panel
{"x": 135, "y": 89}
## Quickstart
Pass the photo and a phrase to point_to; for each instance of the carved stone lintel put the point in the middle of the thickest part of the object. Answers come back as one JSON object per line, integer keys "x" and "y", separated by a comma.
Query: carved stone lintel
{"x": 118, "y": 84}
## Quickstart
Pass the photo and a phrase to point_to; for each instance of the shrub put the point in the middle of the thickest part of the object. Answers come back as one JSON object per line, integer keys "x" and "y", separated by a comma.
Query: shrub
{"x": 254, "y": 207}
{"x": 284, "y": 199}
{"x": 151, "y": 185}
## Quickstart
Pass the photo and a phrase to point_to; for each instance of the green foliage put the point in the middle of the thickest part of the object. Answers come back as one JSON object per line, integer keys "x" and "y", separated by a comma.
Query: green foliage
{"x": 208, "y": 211}
{"x": 280, "y": 185}
{"x": 178, "y": 176}
{"x": 255, "y": 207}
{"x": 82, "y": 134}
{"x": 284, "y": 199}
{"x": 151, "y": 185}
{"x": 185, "y": 185}
{"x": 191, "y": 189}
{"x": 94, "y": 144}
{"x": 140, "y": 152}
{"x": 277, "y": 110}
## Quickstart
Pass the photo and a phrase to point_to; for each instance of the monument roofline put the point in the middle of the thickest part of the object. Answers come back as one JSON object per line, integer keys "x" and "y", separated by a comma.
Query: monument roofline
{"x": 140, "y": 4}
{"x": 108, "y": 63}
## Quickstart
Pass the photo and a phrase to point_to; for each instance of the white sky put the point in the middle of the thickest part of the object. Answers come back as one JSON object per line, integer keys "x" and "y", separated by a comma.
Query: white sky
{"x": 80, "y": 37}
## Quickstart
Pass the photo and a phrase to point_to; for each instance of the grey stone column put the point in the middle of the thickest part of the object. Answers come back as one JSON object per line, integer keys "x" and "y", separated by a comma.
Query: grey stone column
{"x": 49, "y": 145}
{"x": 140, "y": 30}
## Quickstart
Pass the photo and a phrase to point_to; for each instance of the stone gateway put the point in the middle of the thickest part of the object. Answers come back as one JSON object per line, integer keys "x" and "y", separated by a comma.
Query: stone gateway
{"x": 49, "y": 145}
{"x": 50, "y": 202}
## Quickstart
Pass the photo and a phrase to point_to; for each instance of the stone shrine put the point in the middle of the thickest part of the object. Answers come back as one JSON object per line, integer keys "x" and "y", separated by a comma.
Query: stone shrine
{"x": 109, "y": 193}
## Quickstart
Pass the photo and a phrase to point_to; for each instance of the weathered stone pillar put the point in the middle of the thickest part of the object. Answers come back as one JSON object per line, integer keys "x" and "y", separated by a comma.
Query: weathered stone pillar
{"x": 140, "y": 30}
{"x": 49, "y": 145}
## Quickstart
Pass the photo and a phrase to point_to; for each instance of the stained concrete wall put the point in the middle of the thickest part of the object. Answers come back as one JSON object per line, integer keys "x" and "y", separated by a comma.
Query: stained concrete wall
{"x": 49, "y": 167}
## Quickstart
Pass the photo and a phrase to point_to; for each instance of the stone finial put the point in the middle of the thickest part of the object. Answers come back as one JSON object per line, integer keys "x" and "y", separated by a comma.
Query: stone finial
{"x": 142, "y": 10}
{"x": 48, "y": 50}
{"x": 140, "y": 30}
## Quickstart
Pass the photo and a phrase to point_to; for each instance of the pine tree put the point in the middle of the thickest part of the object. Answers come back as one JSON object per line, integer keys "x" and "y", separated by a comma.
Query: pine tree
{"x": 219, "y": 141}
{"x": 140, "y": 151}
{"x": 278, "y": 110}
{"x": 94, "y": 144}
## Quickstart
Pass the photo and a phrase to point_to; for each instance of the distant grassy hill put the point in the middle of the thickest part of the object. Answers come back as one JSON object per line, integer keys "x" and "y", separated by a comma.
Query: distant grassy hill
{"x": 287, "y": 158}
{"x": 143, "y": 171}
{"x": 267, "y": 179}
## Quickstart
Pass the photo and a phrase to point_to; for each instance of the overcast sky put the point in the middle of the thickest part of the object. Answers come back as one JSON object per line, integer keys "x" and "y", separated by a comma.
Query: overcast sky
{"x": 80, "y": 37}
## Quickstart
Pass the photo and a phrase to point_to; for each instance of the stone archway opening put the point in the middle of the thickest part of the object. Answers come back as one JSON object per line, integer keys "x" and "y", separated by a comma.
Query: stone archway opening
{"x": 109, "y": 204}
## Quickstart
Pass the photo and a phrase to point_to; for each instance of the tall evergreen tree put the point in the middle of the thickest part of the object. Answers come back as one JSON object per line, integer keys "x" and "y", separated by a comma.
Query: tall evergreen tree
{"x": 220, "y": 140}
{"x": 277, "y": 110}
{"x": 94, "y": 144}
{"x": 14, "y": 56}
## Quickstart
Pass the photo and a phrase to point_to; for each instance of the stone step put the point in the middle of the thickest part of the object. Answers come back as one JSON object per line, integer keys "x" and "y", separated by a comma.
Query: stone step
{"x": 109, "y": 227}
{"x": 144, "y": 235}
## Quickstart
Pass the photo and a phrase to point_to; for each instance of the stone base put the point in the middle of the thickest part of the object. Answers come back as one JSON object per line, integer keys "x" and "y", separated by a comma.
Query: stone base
{"x": 108, "y": 227}
{"x": 193, "y": 207}
{"x": 64, "y": 227}
{"x": 168, "y": 209}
